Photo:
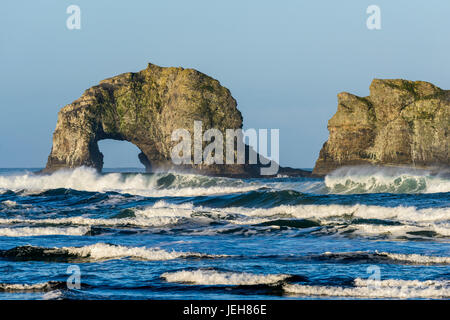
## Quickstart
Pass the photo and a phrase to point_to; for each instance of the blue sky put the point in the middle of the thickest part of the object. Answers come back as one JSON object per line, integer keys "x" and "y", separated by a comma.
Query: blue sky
{"x": 284, "y": 61}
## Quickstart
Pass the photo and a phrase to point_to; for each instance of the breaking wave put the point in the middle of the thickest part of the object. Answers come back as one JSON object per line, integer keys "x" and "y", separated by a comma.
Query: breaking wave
{"x": 382, "y": 257}
{"x": 159, "y": 184}
{"x": 323, "y": 212}
{"x": 348, "y": 220}
{"x": 264, "y": 231}
{"x": 36, "y": 287}
{"x": 44, "y": 231}
{"x": 96, "y": 252}
{"x": 391, "y": 288}
{"x": 156, "y": 221}
{"x": 9, "y": 203}
{"x": 213, "y": 277}
{"x": 349, "y": 180}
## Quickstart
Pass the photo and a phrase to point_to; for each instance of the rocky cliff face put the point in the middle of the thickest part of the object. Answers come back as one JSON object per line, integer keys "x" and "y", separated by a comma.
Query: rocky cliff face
{"x": 144, "y": 108}
{"x": 401, "y": 123}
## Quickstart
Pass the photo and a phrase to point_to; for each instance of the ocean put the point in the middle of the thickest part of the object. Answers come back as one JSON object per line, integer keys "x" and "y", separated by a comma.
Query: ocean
{"x": 358, "y": 233}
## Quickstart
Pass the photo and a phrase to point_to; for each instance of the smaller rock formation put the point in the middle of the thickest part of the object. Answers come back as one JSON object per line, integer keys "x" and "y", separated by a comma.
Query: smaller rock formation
{"x": 401, "y": 123}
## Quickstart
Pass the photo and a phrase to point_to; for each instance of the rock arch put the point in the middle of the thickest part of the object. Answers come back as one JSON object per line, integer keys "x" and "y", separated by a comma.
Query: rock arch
{"x": 142, "y": 108}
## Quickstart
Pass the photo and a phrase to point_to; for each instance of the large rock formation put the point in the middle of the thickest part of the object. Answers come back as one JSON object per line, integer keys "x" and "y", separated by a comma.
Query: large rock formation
{"x": 401, "y": 123}
{"x": 144, "y": 108}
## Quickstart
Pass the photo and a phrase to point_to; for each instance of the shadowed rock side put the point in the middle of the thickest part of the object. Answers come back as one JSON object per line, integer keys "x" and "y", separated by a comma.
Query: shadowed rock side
{"x": 401, "y": 123}
{"x": 144, "y": 108}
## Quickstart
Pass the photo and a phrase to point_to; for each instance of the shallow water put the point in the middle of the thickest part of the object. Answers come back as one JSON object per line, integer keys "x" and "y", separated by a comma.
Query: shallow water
{"x": 174, "y": 236}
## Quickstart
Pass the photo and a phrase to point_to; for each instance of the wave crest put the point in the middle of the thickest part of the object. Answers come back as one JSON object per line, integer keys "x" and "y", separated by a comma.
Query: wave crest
{"x": 96, "y": 252}
{"x": 350, "y": 180}
{"x": 36, "y": 287}
{"x": 390, "y": 288}
{"x": 383, "y": 257}
{"x": 157, "y": 185}
{"x": 44, "y": 231}
{"x": 213, "y": 277}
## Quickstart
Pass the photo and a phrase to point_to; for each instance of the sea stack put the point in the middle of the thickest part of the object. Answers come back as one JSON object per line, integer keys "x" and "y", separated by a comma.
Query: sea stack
{"x": 145, "y": 108}
{"x": 401, "y": 123}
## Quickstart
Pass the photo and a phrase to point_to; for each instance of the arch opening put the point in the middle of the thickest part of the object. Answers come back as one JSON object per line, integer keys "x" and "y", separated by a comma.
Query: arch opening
{"x": 120, "y": 155}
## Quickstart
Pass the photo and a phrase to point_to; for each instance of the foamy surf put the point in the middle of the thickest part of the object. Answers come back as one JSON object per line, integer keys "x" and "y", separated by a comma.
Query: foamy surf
{"x": 355, "y": 220}
{"x": 350, "y": 180}
{"x": 383, "y": 257}
{"x": 213, "y": 277}
{"x": 84, "y": 221}
{"x": 97, "y": 252}
{"x": 152, "y": 185}
{"x": 399, "y": 213}
{"x": 361, "y": 220}
{"x": 43, "y": 231}
{"x": 9, "y": 203}
{"x": 390, "y": 288}
{"x": 102, "y": 251}
{"x": 216, "y": 237}
{"x": 35, "y": 287}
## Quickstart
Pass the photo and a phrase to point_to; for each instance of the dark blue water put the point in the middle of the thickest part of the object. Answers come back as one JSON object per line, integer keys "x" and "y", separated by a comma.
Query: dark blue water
{"x": 356, "y": 234}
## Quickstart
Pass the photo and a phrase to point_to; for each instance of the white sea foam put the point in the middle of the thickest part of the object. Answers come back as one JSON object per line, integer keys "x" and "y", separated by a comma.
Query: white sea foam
{"x": 442, "y": 228}
{"x": 44, "y": 231}
{"x": 87, "y": 179}
{"x": 103, "y": 251}
{"x": 343, "y": 180}
{"x": 9, "y": 203}
{"x": 417, "y": 258}
{"x": 399, "y": 213}
{"x": 404, "y": 258}
{"x": 411, "y": 219}
{"x": 405, "y": 220}
{"x": 394, "y": 180}
{"x": 390, "y": 288}
{"x": 164, "y": 209}
{"x": 418, "y": 229}
{"x": 155, "y": 221}
{"x": 43, "y": 286}
{"x": 398, "y": 282}
{"x": 213, "y": 277}
{"x": 400, "y": 220}
{"x": 371, "y": 230}
{"x": 53, "y": 295}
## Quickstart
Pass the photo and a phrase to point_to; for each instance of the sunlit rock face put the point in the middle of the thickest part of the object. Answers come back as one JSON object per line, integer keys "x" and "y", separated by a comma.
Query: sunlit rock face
{"x": 145, "y": 108}
{"x": 401, "y": 123}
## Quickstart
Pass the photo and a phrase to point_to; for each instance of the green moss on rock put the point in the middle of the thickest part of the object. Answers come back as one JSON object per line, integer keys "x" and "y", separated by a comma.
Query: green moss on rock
{"x": 143, "y": 108}
{"x": 401, "y": 123}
